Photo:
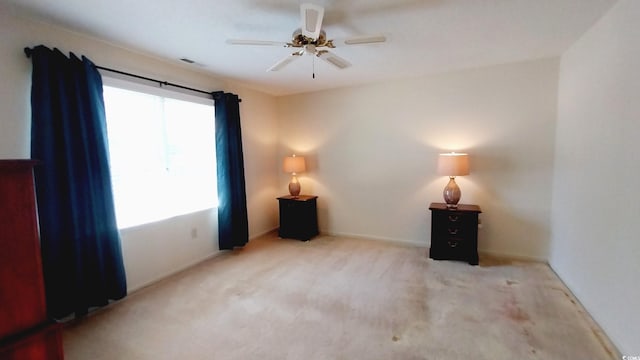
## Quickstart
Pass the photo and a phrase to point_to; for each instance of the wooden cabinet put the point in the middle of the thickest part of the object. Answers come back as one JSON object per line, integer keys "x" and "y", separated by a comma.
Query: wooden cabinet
{"x": 298, "y": 217}
{"x": 454, "y": 232}
{"x": 25, "y": 332}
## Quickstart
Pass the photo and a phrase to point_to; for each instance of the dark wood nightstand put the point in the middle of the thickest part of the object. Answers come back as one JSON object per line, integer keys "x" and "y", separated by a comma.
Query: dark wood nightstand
{"x": 298, "y": 217}
{"x": 454, "y": 233}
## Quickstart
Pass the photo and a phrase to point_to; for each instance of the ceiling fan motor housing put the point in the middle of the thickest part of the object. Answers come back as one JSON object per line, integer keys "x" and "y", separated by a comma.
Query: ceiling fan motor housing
{"x": 299, "y": 40}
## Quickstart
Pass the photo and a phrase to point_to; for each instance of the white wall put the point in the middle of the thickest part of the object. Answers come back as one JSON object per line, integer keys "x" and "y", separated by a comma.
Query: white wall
{"x": 158, "y": 249}
{"x": 372, "y": 153}
{"x": 596, "y": 203}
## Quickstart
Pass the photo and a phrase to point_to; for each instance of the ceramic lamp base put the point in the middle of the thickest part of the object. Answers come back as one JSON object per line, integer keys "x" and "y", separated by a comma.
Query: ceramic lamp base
{"x": 294, "y": 186}
{"x": 452, "y": 193}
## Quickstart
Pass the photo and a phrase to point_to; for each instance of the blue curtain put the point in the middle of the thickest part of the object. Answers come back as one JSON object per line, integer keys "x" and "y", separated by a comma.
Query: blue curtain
{"x": 81, "y": 251}
{"x": 233, "y": 228}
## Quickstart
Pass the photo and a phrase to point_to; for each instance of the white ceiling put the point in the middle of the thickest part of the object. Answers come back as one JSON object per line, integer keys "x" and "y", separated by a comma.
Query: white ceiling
{"x": 424, "y": 36}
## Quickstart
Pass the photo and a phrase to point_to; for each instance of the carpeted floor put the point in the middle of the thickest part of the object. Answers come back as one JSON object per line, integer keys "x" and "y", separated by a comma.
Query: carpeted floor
{"x": 341, "y": 298}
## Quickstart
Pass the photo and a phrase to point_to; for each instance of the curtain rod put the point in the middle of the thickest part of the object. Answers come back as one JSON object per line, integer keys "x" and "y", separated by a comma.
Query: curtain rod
{"x": 28, "y": 50}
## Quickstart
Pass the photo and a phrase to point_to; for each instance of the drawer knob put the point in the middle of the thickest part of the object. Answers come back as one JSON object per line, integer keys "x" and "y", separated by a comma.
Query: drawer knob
{"x": 453, "y": 218}
{"x": 452, "y": 243}
{"x": 452, "y": 231}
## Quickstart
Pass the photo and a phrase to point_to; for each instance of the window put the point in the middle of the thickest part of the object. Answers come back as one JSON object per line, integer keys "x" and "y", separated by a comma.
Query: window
{"x": 162, "y": 154}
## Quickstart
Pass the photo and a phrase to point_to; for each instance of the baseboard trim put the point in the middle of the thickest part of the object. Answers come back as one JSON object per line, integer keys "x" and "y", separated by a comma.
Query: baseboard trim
{"x": 504, "y": 255}
{"x": 174, "y": 272}
{"x": 263, "y": 234}
{"x": 376, "y": 238}
{"x": 497, "y": 254}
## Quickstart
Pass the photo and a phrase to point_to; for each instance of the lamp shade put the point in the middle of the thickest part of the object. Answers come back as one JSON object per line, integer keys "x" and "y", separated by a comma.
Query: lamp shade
{"x": 453, "y": 164}
{"x": 293, "y": 164}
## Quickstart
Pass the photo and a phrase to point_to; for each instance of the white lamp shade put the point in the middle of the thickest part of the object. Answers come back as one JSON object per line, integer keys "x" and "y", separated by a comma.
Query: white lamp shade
{"x": 293, "y": 164}
{"x": 453, "y": 164}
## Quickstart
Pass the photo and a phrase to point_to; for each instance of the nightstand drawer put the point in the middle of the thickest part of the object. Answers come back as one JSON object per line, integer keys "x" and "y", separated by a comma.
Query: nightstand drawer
{"x": 454, "y": 218}
{"x": 453, "y": 224}
{"x": 451, "y": 248}
{"x": 455, "y": 243}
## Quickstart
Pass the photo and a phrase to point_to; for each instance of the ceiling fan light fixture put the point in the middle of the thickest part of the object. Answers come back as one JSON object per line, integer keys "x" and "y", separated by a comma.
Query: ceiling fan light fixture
{"x": 310, "y": 49}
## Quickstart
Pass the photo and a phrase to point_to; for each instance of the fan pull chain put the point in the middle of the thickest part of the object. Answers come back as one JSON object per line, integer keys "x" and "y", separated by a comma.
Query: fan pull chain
{"x": 313, "y": 65}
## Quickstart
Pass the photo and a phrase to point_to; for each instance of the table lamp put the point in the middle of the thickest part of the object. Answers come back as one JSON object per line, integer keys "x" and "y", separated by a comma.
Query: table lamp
{"x": 452, "y": 165}
{"x": 294, "y": 165}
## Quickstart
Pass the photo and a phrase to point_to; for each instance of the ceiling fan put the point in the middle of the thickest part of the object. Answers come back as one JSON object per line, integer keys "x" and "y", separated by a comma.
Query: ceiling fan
{"x": 311, "y": 39}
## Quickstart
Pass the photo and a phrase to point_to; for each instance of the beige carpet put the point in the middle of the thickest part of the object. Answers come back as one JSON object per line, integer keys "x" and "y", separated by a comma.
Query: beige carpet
{"x": 340, "y": 298}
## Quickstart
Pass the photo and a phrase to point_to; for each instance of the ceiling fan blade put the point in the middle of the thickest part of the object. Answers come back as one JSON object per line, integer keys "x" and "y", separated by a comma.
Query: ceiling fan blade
{"x": 356, "y": 40}
{"x": 255, "y": 42}
{"x": 312, "y": 16}
{"x": 333, "y": 59}
{"x": 286, "y": 61}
